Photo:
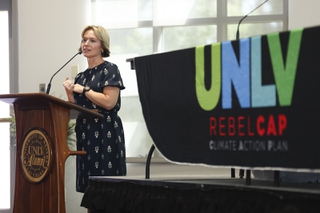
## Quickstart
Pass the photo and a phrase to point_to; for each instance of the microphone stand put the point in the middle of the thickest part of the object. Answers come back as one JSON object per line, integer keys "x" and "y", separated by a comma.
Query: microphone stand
{"x": 49, "y": 84}
{"x": 237, "y": 35}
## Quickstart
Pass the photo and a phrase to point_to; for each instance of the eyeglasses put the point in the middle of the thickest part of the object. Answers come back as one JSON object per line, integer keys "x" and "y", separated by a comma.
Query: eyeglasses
{"x": 89, "y": 41}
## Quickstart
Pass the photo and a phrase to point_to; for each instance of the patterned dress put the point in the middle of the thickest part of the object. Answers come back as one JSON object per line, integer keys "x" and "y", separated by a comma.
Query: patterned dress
{"x": 102, "y": 139}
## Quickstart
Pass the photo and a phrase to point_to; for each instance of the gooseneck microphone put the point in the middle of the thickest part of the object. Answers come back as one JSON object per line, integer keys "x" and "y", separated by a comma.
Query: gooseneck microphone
{"x": 237, "y": 35}
{"x": 49, "y": 84}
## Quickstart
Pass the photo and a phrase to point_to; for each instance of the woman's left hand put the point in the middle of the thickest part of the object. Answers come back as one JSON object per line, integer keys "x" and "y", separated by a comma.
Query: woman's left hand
{"x": 78, "y": 88}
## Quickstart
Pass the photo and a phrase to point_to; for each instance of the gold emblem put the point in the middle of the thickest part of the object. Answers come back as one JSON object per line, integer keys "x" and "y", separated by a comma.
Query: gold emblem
{"x": 36, "y": 155}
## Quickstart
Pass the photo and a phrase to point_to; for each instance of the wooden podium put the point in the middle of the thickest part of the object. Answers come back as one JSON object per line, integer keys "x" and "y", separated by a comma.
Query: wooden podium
{"x": 41, "y": 134}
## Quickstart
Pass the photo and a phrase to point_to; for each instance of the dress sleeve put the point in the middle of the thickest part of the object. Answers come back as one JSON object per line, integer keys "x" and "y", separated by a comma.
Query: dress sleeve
{"x": 111, "y": 76}
{"x": 76, "y": 79}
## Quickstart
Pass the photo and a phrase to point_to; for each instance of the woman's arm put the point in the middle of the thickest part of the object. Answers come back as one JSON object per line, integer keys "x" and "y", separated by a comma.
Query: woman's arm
{"x": 108, "y": 99}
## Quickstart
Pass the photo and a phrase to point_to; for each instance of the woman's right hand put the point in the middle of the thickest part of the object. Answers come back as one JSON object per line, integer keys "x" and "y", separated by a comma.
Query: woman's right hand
{"x": 69, "y": 86}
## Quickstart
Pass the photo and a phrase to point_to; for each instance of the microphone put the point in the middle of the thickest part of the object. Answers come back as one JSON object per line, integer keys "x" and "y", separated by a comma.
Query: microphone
{"x": 49, "y": 84}
{"x": 237, "y": 35}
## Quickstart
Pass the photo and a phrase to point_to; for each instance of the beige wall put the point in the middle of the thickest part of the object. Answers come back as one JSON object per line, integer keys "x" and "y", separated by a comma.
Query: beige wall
{"x": 303, "y": 13}
{"x": 48, "y": 36}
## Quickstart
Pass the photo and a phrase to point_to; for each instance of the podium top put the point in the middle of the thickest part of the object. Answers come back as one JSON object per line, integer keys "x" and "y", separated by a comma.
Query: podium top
{"x": 29, "y": 99}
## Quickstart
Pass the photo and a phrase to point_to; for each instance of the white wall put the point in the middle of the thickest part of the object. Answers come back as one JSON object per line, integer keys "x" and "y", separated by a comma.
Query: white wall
{"x": 303, "y": 13}
{"x": 49, "y": 35}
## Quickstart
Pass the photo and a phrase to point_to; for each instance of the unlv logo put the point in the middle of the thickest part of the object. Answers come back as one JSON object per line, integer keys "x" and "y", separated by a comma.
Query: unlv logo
{"x": 36, "y": 155}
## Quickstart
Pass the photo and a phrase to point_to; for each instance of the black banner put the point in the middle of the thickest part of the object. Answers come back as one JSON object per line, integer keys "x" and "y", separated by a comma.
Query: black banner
{"x": 253, "y": 102}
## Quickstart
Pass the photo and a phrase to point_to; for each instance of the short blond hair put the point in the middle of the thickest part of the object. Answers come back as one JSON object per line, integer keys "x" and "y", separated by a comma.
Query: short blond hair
{"x": 103, "y": 35}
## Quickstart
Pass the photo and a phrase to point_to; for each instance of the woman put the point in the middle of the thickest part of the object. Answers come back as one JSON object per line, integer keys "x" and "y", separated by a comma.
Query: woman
{"x": 98, "y": 88}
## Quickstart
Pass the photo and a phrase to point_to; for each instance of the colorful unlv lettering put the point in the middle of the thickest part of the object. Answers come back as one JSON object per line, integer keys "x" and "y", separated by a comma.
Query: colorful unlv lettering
{"x": 285, "y": 74}
{"x": 246, "y": 77}
{"x": 208, "y": 99}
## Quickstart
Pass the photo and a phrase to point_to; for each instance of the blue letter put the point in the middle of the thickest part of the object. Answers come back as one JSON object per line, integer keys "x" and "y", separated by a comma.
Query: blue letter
{"x": 236, "y": 73}
{"x": 261, "y": 95}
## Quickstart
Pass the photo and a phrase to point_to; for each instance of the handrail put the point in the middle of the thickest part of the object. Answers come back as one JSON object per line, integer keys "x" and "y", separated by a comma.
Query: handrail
{"x": 5, "y": 120}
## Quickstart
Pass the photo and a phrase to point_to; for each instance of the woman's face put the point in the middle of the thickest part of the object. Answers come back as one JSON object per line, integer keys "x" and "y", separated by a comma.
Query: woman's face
{"x": 91, "y": 45}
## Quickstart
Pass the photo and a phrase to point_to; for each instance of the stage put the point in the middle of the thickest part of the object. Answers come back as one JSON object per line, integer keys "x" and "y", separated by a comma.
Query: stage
{"x": 198, "y": 194}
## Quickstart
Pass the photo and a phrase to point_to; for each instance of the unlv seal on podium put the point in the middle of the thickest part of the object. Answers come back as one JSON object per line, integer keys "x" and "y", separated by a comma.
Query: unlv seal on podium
{"x": 36, "y": 155}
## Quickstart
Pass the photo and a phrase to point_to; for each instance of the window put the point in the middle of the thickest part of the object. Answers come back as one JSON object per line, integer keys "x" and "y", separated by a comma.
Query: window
{"x": 144, "y": 27}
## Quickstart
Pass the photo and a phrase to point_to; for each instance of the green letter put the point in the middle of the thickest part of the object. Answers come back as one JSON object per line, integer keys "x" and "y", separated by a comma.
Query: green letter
{"x": 285, "y": 74}
{"x": 208, "y": 99}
